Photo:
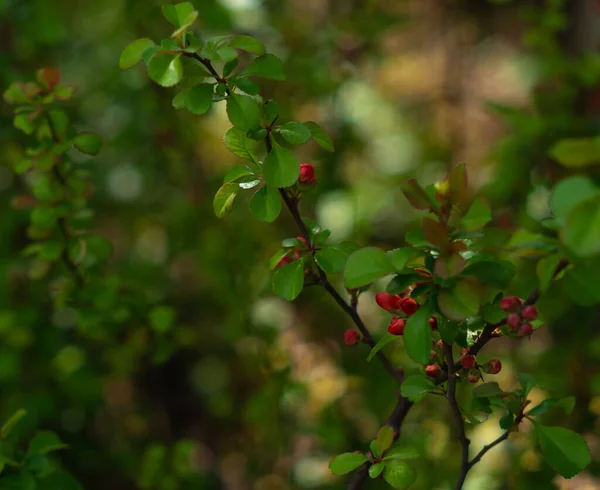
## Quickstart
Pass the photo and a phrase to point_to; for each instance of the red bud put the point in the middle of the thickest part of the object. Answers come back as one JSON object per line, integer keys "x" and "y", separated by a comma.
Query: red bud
{"x": 513, "y": 320}
{"x": 397, "y": 326}
{"x": 530, "y": 313}
{"x": 351, "y": 337}
{"x": 409, "y": 306}
{"x": 493, "y": 367}
{"x": 468, "y": 361}
{"x": 432, "y": 370}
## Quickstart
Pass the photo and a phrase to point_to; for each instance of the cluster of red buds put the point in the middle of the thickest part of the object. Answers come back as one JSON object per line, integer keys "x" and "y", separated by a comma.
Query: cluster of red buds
{"x": 295, "y": 256}
{"x": 400, "y": 304}
{"x": 519, "y": 316}
{"x": 469, "y": 365}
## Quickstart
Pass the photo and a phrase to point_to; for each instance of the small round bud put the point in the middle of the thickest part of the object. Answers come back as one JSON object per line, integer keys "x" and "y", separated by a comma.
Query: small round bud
{"x": 493, "y": 367}
{"x": 510, "y": 303}
{"x": 473, "y": 376}
{"x": 432, "y": 370}
{"x": 433, "y": 323}
{"x": 525, "y": 329}
{"x": 530, "y": 313}
{"x": 303, "y": 240}
{"x": 387, "y": 301}
{"x": 397, "y": 325}
{"x": 468, "y": 361}
{"x": 513, "y": 320}
{"x": 351, "y": 337}
{"x": 440, "y": 344}
{"x": 307, "y": 175}
{"x": 409, "y": 306}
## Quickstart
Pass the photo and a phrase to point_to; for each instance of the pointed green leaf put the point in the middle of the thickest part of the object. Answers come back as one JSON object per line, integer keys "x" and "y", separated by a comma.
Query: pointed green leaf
{"x": 545, "y": 270}
{"x": 295, "y": 133}
{"x": 331, "y": 259}
{"x": 385, "y": 438}
{"x": 249, "y": 44}
{"x": 564, "y": 450}
{"x": 177, "y": 13}
{"x": 239, "y": 144}
{"x": 487, "y": 390}
{"x": 416, "y": 385}
{"x": 88, "y": 143}
{"x": 319, "y": 136}
{"x": 576, "y": 152}
{"x": 268, "y": 66}
{"x": 498, "y": 273}
{"x": 289, "y": 280}
{"x": 478, "y": 216}
{"x": 346, "y": 462}
{"x": 385, "y": 340}
{"x": 399, "y": 474}
{"x": 459, "y": 301}
{"x": 281, "y": 167}
{"x": 399, "y": 451}
{"x": 570, "y": 192}
{"x": 567, "y": 404}
{"x": 199, "y": 98}
{"x": 44, "y": 442}
{"x": 402, "y": 256}
{"x": 223, "y": 201}
{"x": 581, "y": 232}
{"x": 417, "y": 336}
{"x": 376, "y": 469}
{"x": 365, "y": 266}
{"x": 266, "y": 204}
{"x": 165, "y": 69}
{"x": 12, "y": 422}
{"x": 236, "y": 173}
{"x": 243, "y": 112}
{"x": 133, "y": 52}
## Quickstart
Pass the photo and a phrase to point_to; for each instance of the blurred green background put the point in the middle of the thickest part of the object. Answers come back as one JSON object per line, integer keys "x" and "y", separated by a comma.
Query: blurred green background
{"x": 242, "y": 390}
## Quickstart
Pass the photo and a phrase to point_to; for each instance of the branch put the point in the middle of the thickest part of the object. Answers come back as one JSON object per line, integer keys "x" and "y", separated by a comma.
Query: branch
{"x": 486, "y": 448}
{"x": 460, "y": 423}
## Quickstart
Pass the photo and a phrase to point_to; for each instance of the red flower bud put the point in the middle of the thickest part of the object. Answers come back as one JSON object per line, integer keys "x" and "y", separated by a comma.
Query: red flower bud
{"x": 351, "y": 337}
{"x": 440, "y": 344}
{"x": 525, "y": 329}
{"x": 468, "y": 361}
{"x": 530, "y": 313}
{"x": 473, "y": 375}
{"x": 493, "y": 367}
{"x": 510, "y": 303}
{"x": 303, "y": 240}
{"x": 397, "y": 326}
{"x": 432, "y": 370}
{"x": 307, "y": 174}
{"x": 409, "y": 306}
{"x": 513, "y": 320}
{"x": 284, "y": 260}
{"x": 389, "y": 302}
{"x": 433, "y": 323}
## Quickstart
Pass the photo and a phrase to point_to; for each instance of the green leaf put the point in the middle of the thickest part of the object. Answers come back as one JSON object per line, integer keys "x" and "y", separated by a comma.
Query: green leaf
{"x": 295, "y": 133}
{"x": 492, "y": 313}
{"x": 12, "y": 422}
{"x": 581, "y": 232}
{"x": 268, "y": 66}
{"x": 526, "y": 381}
{"x": 177, "y": 13}
{"x": 266, "y": 204}
{"x": 289, "y": 280}
{"x": 19, "y": 481}
{"x": 331, "y": 259}
{"x": 365, "y": 266}
{"x": 460, "y": 301}
{"x": 58, "y": 480}
{"x": 199, "y": 98}
{"x": 243, "y": 112}
{"x": 401, "y": 281}
{"x": 236, "y": 173}
{"x": 133, "y": 52}
{"x": 416, "y": 385}
{"x": 161, "y": 318}
{"x": 44, "y": 442}
{"x": 385, "y": 438}
{"x": 487, "y": 390}
{"x": 448, "y": 330}
{"x": 545, "y": 270}
{"x": 498, "y": 273}
{"x": 417, "y": 336}
{"x": 165, "y": 69}
{"x": 376, "y": 469}
{"x": 507, "y": 421}
{"x": 88, "y": 143}
{"x": 249, "y": 44}
{"x": 567, "y": 404}
{"x": 581, "y": 282}
{"x": 570, "y": 192}
{"x": 399, "y": 451}
{"x": 564, "y": 450}
{"x": 402, "y": 256}
{"x": 223, "y": 201}
{"x": 281, "y": 167}
{"x": 319, "y": 136}
{"x": 477, "y": 217}
{"x": 399, "y": 474}
{"x": 346, "y": 462}
{"x": 239, "y": 144}
{"x": 576, "y": 152}
{"x": 385, "y": 340}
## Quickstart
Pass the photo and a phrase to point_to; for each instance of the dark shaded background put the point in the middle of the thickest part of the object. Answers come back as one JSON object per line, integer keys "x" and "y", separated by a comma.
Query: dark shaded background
{"x": 247, "y": 391}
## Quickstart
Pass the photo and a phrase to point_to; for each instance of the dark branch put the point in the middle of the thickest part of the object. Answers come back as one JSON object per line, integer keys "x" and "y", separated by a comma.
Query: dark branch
{"x": 486, "y": 448}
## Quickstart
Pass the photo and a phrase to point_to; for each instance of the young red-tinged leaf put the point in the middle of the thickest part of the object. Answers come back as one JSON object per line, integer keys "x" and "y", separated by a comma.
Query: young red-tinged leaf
{"x": 435, "y": 232}
{"x": 460, "y": 301}
{"x": 288, "y": 280}
{"x": 223, "y": 201}
{"x": 88, "y": 143}
{"x": 458, "y": 192}
{"x": 276, "y": 258}
{"x": 399, "y": 474}
{"x": 16, "y": 93}
{"x": 280, "y": 167}
{"x": 165, "y": 68}
{"x": 249, "y": 44}
{"x": 449, "y": 266}
{"x": 415, "y": 195}
{"x": 319, "y": 135}
{"x": 266, "y": 204}
{"x": 239, "y": 144}
{"x": 132, "y": 53}
{"x": 365, "y": 266}
{"x": 243, "y": 112}
{"x": 376, "y": 469}
{"x": 385, "y": 438}
{"x": 48, "y": 77}
{"x": 564, "y": 450}
{"x": 268, "y": 66}
{"x": 346, "y": 462}
{"x": 417, "y": 335}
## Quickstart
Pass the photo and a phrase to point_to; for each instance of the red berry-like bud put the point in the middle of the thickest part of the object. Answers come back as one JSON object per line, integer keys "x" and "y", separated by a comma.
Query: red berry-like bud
{"x": 468, "y": 361}
{"x": 530, "y": 313}
{"x": 433, "y": 323}
{"x": 389, "y": 302}
{"x": 464, "y": 351}
{"x": 303, "y": 240}
{"x": 525, "y": 329}
{"x": 409, "y": 306}
{"x": 513, "y": 320}
{"x": 510, "y": 303}
{"x": 351, "y": 337}
{"x": 432, "y": 370}
{"x": 440, "y": 344}
{"x": 307, "y": 174}
{"x": 397, "y": 326}
{"x": 493, "y": 367}
{"x": 284, "y": 260}
{"x": 473, "y": 376}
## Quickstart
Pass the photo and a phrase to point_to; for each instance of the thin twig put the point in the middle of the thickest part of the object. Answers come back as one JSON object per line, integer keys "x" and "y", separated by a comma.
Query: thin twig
{"x": 486, "y": 448}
